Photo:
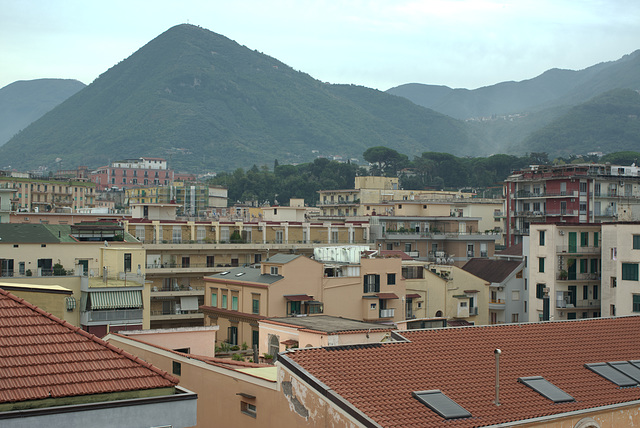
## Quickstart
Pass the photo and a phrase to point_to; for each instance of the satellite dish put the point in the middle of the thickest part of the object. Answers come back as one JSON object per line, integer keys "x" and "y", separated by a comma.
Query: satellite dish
{"x": 450, "y": 261}
{"x": 439, "y": 261}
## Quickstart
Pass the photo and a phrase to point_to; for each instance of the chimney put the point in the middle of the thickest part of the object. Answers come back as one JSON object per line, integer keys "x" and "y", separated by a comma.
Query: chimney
{"x": 497, "y": 353}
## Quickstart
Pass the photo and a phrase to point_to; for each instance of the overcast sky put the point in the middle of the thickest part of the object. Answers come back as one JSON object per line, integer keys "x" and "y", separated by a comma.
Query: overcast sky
{"x": 374, "y": 43}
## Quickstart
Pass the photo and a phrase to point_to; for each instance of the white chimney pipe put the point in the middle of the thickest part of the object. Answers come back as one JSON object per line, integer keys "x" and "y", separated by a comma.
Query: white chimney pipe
{"x": 497, "y": 353}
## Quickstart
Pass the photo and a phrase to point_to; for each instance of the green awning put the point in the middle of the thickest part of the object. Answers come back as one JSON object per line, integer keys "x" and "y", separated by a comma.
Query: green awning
{"x": 116, "y": 299}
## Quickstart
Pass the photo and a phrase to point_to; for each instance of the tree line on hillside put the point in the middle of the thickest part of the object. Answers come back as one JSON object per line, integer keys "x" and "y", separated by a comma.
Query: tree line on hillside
{"x": 431, "y": 170}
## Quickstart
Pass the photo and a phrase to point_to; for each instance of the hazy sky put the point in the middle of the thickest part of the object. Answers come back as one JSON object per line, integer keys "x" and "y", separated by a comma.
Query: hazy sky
{"x": 375, "y": 43}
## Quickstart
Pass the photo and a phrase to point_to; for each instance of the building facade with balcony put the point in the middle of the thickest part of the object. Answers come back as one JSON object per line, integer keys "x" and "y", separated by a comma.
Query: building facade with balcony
{"x": 506, "y": 287}
{"x": 620, "y": 260}
{"x": 575, "y": 194}
{"x": 40, "y": 195}
{"x": 455, "y": 239}
{"x": 129, "y": 173}
{"x": 564, "y": 262}
{"x": 366, "y": 289}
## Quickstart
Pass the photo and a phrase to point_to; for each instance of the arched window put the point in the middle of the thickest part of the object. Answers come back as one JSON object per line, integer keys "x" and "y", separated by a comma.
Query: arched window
{"x": 439, "y": 313}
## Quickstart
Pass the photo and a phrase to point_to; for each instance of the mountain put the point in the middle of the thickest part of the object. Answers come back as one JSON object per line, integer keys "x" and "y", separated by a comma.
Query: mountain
{"x": 607, "y": 123}
{"x": 25, "y": 101}
{"x": 206, "y": 103}
{"x": 552, "y": 88}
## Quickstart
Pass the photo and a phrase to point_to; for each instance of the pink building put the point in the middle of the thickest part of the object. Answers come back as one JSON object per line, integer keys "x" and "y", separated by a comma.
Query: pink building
{"x": 130, "y": 173}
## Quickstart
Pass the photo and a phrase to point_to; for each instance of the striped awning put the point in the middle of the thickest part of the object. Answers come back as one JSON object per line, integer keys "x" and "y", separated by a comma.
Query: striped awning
{"x": 124, "y": 299}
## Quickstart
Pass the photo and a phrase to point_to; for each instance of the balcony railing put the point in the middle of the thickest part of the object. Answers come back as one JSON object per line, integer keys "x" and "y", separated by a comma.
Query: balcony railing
{"x": 473, "y": 311}
{"x": 175, "y": 312}
{"x": 113, "y": 315}
{"x": 562, "y": 276}
{"x": 577, "y": 249}
{"x": 387, "y": 313}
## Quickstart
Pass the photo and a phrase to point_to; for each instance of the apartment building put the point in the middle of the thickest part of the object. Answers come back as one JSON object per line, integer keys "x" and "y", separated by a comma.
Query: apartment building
{"x": 41, "y": 195}
{"x": 128, "y": 173}
{"x": 583, "y": 193}
{"x": 368, "y": 192}
{"x": 434, "y": 237}
{"x": 192, "y": 200}
{"x": 506, "y": 288}
{"x": 564, "y": 264}
{"x": 620, "y": 284}
{"x": 6, "y": 195}
{"x": 366, "y": 289}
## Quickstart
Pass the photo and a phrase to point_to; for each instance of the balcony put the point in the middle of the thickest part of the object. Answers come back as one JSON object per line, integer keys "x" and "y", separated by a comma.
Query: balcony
{"x": 473, "y": 311}
{"x": 577, "y": 249}
{"x": 387, "y": 313}
{"x": 561, "y": 212}
{"x": 496, "y": 305}
{"x": 131, "y": 315}
{"x": 580, "y": 304}
{"x": 170, "y": 268}
{"x": 176, "y": 291}
{"x": 176, "y": 315}
{"x": 565, "y": 276}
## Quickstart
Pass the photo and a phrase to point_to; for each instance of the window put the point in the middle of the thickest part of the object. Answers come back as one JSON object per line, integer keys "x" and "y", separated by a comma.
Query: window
{"x": 177, "y": 368}
{"x": 614, "y": 282}
{"x": 234, "y": 303}
{"x": 583, "y": 207}
{"x": 224, "y": 301}
{"x": 391, "y": 279}
{"x": 636, "y": 303}
{"x": 583, "y": 187}
{"x": 255, "y": 307}
{"x": 583, "y": 265}
{"x": 274, "y": 270}
{"x": 248, "y": 409}
{"x": 541, "y": 236}
{"x": 186, "y": 262}
{"x": 127, "y": 262}
{"x": 596, "y": 239}
{"x": 612, "y": 310}
{"x": 372, "y": 283}
{"x": 279, "y": 236}
{"x": 594, "y": 265}
{"x": 629, "y": 271}
{"x": 595, "y": 291}
{"x": 176, "y": 235}
{"x": 514, "y": 317}
{"x": 636, "y": 242}
{"x": 525, "y": 306}
{"x": 232, "y": 335}
{"x": 294, "y": 308}
{"x": 614, "y": 253}
{"x": 214, "y": 298}
{"x": 540, "y": 291}
{"x": 541, "y": 264}
{"x": 584, "y": 239}
{"x": 585, "y": 292}
{"x": 407, "y": 247}
{"x": 211, "y": 261}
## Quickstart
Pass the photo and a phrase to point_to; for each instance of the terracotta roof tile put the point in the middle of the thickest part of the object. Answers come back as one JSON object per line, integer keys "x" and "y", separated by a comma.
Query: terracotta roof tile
{"x": 42, "y": 356}
{"x": 379, "y": 380}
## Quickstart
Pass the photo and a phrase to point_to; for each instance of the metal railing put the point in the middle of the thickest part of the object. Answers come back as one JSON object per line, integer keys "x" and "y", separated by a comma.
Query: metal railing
{"x": 114, "y": 315}
{"x": 387, "y": 313}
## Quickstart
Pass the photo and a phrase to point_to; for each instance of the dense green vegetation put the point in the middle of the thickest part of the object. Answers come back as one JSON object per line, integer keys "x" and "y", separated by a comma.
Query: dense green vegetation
{"x": 610, "y": 120}
{"x": 429, "y": 170}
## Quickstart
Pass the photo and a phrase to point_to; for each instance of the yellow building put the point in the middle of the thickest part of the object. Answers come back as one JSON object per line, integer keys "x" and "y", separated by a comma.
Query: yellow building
{"x": 39, "y": 195}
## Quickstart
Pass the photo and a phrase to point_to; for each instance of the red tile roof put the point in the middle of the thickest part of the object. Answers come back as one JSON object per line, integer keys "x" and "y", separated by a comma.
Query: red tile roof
{"x": 378, "y": 379}
{"x": 42, "y": 356}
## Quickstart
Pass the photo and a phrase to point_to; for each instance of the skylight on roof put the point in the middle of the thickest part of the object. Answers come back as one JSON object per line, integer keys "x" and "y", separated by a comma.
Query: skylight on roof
{"x": 546, "y": 389}
{"x": 611, "y": 374}
{"x": 240, "y": 273}
{"x": 441, "y": 404}
{"x": 629, "y": 368}
{"x": 224, "y": 273}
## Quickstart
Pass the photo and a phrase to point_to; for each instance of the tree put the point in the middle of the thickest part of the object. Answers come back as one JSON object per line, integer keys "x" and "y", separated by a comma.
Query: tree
{"x": 388, "y": 161}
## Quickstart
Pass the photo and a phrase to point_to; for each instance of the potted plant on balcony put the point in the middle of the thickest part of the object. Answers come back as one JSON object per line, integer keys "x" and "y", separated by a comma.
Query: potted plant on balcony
{"x": 564, "y": 274}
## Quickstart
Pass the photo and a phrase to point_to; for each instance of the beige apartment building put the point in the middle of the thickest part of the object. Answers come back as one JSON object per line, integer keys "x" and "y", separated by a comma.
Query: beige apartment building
{"x": 40, "y": 195}
{"x": 564, "y": 263}
{"x": 620, "y": 285}
{"x": 371, "y": 289}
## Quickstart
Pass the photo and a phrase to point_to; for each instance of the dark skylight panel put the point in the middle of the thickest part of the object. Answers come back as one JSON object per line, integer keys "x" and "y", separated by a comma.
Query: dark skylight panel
{"x": 611, "y": 374}
{"x": 627, "y": 368}
{"x": 441, "y": 404}
{"x": 546, "y": 389}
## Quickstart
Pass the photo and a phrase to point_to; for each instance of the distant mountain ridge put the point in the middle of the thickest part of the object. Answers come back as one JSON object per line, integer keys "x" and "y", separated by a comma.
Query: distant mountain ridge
{"x": 207, "y": 103}
{"x": 552, "y": 88}
{"x": 25, "y": 101}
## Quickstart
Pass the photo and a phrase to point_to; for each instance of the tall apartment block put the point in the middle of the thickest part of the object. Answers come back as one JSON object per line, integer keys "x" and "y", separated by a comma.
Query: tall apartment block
{"x": 571, "y": 194}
